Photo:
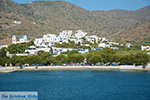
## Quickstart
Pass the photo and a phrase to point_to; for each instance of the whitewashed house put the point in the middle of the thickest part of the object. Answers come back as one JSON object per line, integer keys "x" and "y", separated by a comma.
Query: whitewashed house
{"x": 92, "y": 39}
{"x": 114, "y": 48}
{"x": 79, "y": 34}
{"x": 33, "y": 50}
{"x": 96, "y": 49}
{"x": 83, "y": 50}
{"x": 76, "y": 41}
{"x": 79, "y": 50}
{"x": 113, "y": 43}
{"x": 88, "y": 45}
{"x": 47, "y": 40}
{"x": 65, "y": 35}
{"x": 40, "y": 42}
{"x": 58, "y": 51}
{"x": 104, "y": 39}
{"x": 104, "y": 45}
{"x": 128, "y": 45}
{"x": 145, "y": 48}
{"x": 16, "y": 22}
{"x": 22, "y": 54}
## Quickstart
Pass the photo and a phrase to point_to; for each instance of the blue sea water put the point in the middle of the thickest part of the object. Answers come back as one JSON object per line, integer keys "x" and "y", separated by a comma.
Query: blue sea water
{"x": 80, "y": 85}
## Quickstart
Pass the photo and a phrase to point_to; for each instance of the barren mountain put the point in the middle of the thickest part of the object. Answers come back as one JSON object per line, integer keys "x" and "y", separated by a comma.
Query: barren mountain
{"x": 137, "y": 33}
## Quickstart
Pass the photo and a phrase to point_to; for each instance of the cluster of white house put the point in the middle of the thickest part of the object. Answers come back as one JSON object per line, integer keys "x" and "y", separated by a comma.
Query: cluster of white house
{"x": 47, "y": 42}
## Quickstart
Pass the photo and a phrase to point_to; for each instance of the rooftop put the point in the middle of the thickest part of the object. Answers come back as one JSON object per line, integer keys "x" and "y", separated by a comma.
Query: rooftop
{"x": 22, "y": 37}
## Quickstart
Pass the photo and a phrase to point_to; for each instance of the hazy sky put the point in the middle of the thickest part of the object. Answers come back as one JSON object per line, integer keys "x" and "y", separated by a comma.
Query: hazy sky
{"x": 104, "y": 4}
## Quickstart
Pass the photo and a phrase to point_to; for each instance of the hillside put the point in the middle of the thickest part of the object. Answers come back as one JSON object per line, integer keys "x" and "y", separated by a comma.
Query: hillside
{"x": 137, "y": 33}
{"x": 42, "y": 17}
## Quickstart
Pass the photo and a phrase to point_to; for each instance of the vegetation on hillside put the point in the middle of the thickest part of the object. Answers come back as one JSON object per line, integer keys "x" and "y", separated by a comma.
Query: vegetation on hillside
{"x": 19, "y": 47}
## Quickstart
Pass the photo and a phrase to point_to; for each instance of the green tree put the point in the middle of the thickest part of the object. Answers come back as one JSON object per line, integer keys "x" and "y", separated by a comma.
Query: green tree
{"x": 3, "y": 61}
{"x": 86, "y": 42}
{"x": 62, "y": 59}
{"x": 15, "y": 60}
{"x": 33, "y": 59}
{"x": 89, "y": 57}
{"x": 108, "y": 51}
{"x": 51, "y": 60}
{"x": 73, "y": 52}
{"x": 141, "y": 58}
{"x": 45, "y": 55}
{"x": 76, "y": 58}
{"x": 79, "y": 58}
{"x": 95, "y": 59}
{"x": 19, "y": 48}
{"x": 3, "y": 52}
{"x": 83, "y": 38}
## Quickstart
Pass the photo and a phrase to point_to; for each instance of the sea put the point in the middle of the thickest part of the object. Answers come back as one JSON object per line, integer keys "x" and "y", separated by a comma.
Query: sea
{"x": 80, "y": 84}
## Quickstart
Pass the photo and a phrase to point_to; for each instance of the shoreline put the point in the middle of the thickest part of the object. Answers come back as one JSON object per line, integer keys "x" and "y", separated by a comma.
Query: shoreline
{"x": 38, "y": 68}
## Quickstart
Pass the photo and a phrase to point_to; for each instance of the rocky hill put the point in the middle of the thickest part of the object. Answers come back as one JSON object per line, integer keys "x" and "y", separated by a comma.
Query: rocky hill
{"x": 137, "y": 33}
{"x": 42, "y": 17}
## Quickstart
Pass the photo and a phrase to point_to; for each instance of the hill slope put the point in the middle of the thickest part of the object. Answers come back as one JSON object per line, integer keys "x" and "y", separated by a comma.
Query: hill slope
{"x": 42, "y": 17}
{"x": 137, "y": 33}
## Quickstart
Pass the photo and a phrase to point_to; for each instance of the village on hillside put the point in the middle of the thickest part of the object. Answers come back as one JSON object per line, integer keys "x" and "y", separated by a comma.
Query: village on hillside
{"x": 47, "y": 43}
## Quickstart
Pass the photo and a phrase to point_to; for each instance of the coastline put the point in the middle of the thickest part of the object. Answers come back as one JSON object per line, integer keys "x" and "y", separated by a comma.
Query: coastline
{"x": 37, "y": 68}
{"x": 8, "y": 69}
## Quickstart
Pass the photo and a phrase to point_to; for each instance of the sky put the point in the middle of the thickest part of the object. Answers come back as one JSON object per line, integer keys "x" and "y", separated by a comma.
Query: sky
{"x": 104, "y": 4}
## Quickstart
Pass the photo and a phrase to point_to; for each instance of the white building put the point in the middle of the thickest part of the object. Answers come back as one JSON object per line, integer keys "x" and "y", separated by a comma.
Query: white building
{"x": 47, "y": 40}
{"x": 76, "y": 41}
{"x": 128, "y": 45}
{"x": 104, "y": 45}
{"x": 16, "y": 22}
{"x": 92, "y": 39}
{"x": 51, "y": 38}
{"x": 83, "y": 50}
{"x": 113, "y": 43}
{"x": 114, "y": 48}
{"x": 18, "y": 54}
{"x": 58, "y": 51}
{"x": 79, "y": 34}
{"x": 3, "y": 46}
{"x": 145, "y": 48}
{"x": 104, "y": 39}
{"x": 65, "y": 35}
{"x": 22, "y": 54}
{"x": 22, "y": 39}
{"x": 79, "y": 50}
{"x": 86, "y": 45}
{"x": 33, "y": 50}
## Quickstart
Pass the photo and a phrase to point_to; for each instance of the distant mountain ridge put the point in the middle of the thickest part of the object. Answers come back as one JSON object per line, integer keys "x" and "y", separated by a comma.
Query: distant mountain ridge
{"x": 43, "y": 17}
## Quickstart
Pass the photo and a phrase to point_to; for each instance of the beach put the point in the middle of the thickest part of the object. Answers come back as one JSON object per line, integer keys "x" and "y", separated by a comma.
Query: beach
{"x": 36, "y": 68}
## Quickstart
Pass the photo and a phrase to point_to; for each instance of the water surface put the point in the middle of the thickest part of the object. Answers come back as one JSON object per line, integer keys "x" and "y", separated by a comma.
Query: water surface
{"x": 80, "y": 85}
